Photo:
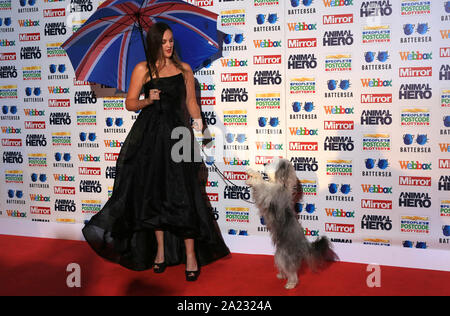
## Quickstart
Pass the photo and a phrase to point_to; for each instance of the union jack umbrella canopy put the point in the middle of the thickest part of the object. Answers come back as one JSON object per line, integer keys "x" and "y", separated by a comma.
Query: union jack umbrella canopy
{"x": 110, "y": 44}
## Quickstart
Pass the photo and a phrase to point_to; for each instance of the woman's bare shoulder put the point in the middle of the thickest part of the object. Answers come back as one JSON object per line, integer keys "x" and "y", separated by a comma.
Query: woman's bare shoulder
{"x": 141, "y": 67}
{"x": 186, "y": 67}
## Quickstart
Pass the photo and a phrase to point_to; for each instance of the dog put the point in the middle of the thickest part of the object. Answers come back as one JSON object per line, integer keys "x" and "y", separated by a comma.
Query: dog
{"x": 275, "y": 200}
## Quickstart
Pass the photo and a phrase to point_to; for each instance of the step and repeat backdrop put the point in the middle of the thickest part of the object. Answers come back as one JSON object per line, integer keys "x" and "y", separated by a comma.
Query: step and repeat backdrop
{"x": 356, "y": 94}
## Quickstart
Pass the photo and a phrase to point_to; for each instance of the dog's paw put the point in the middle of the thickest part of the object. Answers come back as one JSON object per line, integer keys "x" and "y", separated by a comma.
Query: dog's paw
{"x": 290, "y": 285}
{"x": 281, "y": 276}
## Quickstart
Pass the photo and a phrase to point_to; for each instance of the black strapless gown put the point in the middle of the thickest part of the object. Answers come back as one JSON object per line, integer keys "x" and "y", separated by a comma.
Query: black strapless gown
{"x": 151, "y": 192}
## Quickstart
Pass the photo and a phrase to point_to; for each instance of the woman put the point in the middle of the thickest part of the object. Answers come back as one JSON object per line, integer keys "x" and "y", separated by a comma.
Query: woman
{"x": 157, "y": 215}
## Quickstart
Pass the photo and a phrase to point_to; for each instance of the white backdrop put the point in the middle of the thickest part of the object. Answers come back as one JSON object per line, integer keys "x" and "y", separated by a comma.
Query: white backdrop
{"x": 355, "y": 93}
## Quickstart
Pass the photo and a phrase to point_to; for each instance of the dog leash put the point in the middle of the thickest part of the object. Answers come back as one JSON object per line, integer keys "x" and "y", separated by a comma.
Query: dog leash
{"x": 216, "y": 169}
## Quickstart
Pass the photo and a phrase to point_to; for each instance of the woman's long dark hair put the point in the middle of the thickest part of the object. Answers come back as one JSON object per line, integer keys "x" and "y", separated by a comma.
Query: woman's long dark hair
{"x": 154, "y": 45}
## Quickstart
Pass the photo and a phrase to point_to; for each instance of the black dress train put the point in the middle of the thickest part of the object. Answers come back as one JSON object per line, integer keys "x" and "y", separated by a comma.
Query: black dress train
{"x": 151, "y": 191}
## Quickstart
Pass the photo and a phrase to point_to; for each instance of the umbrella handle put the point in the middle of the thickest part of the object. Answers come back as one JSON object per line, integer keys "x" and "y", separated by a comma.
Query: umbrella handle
{"x": 141, "y": 30}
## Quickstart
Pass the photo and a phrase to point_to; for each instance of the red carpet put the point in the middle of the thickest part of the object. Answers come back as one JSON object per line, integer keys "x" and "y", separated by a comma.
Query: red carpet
{"x": 35, "y": 266}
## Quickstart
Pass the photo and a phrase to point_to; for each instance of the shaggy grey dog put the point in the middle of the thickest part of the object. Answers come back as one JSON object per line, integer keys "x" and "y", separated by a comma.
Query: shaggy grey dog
{"x": 276, "y": 199}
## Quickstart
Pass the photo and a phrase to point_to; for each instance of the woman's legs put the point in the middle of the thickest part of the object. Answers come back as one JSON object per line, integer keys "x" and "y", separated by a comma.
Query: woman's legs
{"x": 160, "y": 239}
{"x": 191, "y": 259}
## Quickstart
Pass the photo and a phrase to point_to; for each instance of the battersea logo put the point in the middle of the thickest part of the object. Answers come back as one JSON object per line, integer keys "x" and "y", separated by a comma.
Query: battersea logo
{"x": 421, "y": 29}
{"x": 376, "y": 117}
{"x": 344, "y": 189}
{"x": 339, "y": 89}
{"x": 376, "y": 222}
{"x": 376, "y": 61}
{"x": 267, "y": 23}
{"x": 234, "y": 42}
{"x": 375, "y": 8}
{"x": 302, "y": 61}
{"x": 338, "y": 38}
{"x": 305, "y": 164}
{"x": 421, "y": 139}
{"x": 381, "y": 164}
{"x": 414, "y": 199}
{"x": 339, "y": 143}
{"x": 267, "y": 78}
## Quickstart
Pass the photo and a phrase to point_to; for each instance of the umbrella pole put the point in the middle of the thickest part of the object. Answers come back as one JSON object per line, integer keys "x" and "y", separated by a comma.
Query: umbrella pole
{"x": 145, "y": 50}
{"x": 141, "y": 30}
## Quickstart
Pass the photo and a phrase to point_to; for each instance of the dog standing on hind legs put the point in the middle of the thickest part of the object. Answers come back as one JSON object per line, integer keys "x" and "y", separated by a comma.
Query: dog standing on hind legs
{"x": 275, "y": 200}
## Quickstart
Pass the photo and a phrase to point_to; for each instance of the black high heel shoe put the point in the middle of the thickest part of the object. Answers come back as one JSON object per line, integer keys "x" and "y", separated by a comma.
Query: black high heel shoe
{"x": 159, "y": 267}
{"x": 192, "y": 276}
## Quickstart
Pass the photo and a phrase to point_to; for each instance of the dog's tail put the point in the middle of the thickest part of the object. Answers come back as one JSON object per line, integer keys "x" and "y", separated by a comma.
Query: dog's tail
{"x": 321, "y": 252}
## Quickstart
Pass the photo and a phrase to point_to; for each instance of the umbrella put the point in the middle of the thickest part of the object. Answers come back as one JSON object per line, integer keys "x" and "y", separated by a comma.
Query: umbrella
{"x": 111, "y": 43}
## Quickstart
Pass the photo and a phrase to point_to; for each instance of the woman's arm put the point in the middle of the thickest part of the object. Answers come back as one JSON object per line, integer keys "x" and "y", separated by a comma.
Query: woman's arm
{"x": 132, "y": 102}
{"x": 191, "y": 98}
